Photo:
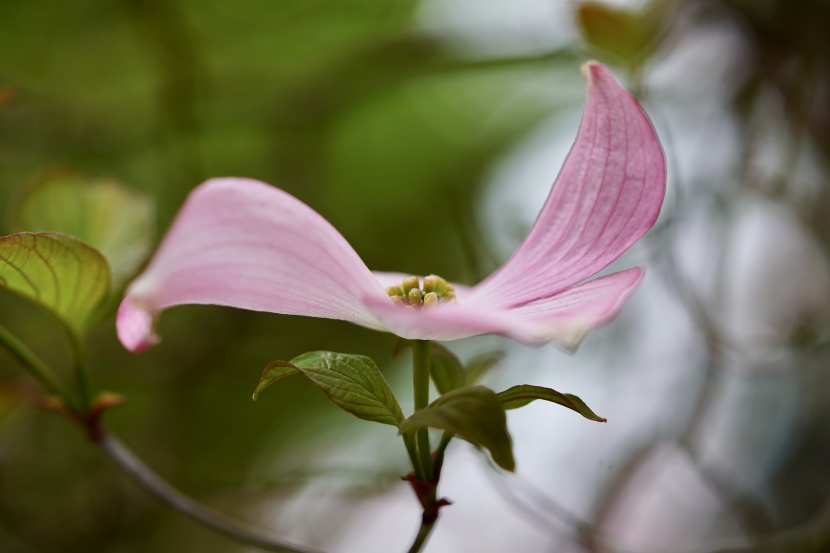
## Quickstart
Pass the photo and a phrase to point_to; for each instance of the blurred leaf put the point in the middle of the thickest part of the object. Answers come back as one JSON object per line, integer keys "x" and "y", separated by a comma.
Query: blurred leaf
{"x": 446, "y": 370}
{"x": 475, "y": 414}
{"x": 480, "y": 365}
{"x": 6, "y": 95}
{"x": 11, "y": 397}
{"x": 352, "y": 382}
{"x": 103, "y": 213}
{"x": 60, "y": 273}
{"x": 519, "y": 396}
{"x": 627, "y": 34}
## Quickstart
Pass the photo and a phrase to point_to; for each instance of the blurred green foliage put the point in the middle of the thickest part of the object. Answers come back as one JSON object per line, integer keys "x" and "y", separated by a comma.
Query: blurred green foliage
{"x": 108, "y": 216}
{"x": 388, "y": 132}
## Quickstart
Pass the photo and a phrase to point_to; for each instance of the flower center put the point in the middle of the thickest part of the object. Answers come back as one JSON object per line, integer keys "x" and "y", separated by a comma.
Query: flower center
{"x": 410, "y": 293}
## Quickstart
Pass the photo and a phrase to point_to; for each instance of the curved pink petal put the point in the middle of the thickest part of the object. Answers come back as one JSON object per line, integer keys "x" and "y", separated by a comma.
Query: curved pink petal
{"x": 242, "y": 243}
{"x": 564, "y": 318}
{"x": 607, "y": 195}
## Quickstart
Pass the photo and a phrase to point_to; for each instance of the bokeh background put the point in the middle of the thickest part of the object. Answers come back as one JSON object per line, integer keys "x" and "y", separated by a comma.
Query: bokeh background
{"x": 429, "y": 132}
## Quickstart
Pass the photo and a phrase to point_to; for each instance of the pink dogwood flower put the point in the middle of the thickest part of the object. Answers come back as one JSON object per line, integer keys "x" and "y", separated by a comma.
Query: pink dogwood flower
{"x": 242, "y": 243}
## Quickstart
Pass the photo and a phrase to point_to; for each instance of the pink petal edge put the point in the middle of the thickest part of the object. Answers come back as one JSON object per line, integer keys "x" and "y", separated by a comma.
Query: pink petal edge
{"x": 607, "y": 195}
{"x": 572, "y": 313}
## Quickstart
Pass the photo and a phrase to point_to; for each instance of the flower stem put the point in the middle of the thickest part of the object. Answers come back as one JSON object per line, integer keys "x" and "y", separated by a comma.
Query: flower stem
{"x": 34, "y": 365}
{"x": 142, "y": 475}
{"x": 421, "y": 350}
{"x": 412, "y": 450}
{"x": 421, "y": 538}
{"x": 425, "y": 486}
{"x": 446, "y": 438}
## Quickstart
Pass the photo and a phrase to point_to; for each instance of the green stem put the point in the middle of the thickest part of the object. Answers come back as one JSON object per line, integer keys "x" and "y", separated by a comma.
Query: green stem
{"x": 34, "y": 365}
{"x": 412, "y": 450}
{"x": 421, "y": 350}
{"x": 421, "y": 538}
{"x": 446, "y": 438}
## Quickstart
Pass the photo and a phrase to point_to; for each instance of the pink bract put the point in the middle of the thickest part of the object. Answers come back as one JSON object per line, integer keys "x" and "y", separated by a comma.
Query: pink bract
{"x": 242, "y": 243}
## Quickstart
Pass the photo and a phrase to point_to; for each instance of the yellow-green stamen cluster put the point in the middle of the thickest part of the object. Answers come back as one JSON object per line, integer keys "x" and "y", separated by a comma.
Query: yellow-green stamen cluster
{"x": 410, "y": 293}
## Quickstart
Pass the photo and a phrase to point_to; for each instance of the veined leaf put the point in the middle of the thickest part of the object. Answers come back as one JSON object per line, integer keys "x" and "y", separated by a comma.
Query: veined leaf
{"x": 276, "y": 370}
{"x": 446, "y": 370}
{"x": 103, "y": 213}
{"x": 475, "y": 414}
{"x": 59, "y": 273}
{"x": 352, "y": 382}
{"x": 519, "y": 396}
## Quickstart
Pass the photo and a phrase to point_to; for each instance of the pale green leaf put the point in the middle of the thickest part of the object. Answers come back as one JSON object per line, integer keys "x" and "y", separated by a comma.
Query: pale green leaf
{"x": 519, "y": 396}
{"x": 108, "y": 216}
{"x": 352, "y": 382}
{"x": 446, "y": 370}
{"x": 475, "y": 414}
{"x": 480, "y": 365}
{"x": 59, "y": 273}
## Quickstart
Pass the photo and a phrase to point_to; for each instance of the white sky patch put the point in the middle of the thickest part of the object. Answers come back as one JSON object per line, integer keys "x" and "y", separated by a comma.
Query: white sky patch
{"x": 495, "y": 27}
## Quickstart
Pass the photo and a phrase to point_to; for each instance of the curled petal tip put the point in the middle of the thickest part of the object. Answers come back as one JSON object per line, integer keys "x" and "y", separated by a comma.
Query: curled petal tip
{"x": 598, "y": 76}
{"x": 589, "y": 70}
{"x": 135, "y": 327}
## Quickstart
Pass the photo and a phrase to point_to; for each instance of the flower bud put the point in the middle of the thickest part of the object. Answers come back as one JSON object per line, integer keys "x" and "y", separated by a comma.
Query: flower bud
{"x": 394, "y": 291}
{"x": 430, "y": 299}
{"x": 409, "y": 283}
{"x": 414, "y": 296}
{"x": 431, "y": 283}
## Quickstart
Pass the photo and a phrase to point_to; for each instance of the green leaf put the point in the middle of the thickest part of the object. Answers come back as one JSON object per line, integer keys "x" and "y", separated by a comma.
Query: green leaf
{"x": 352, "y": 382}
{"x": 446, "y": 370}
{"x": 12, "y": 397}
{"x": 480, "y": 365}
{"x": 475, "y": 414}
{"x": 276, "y": 370}
{"x": 108, "y": 216}
{"x": 59, "y": 273}
{"x": 519, "y": 396}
